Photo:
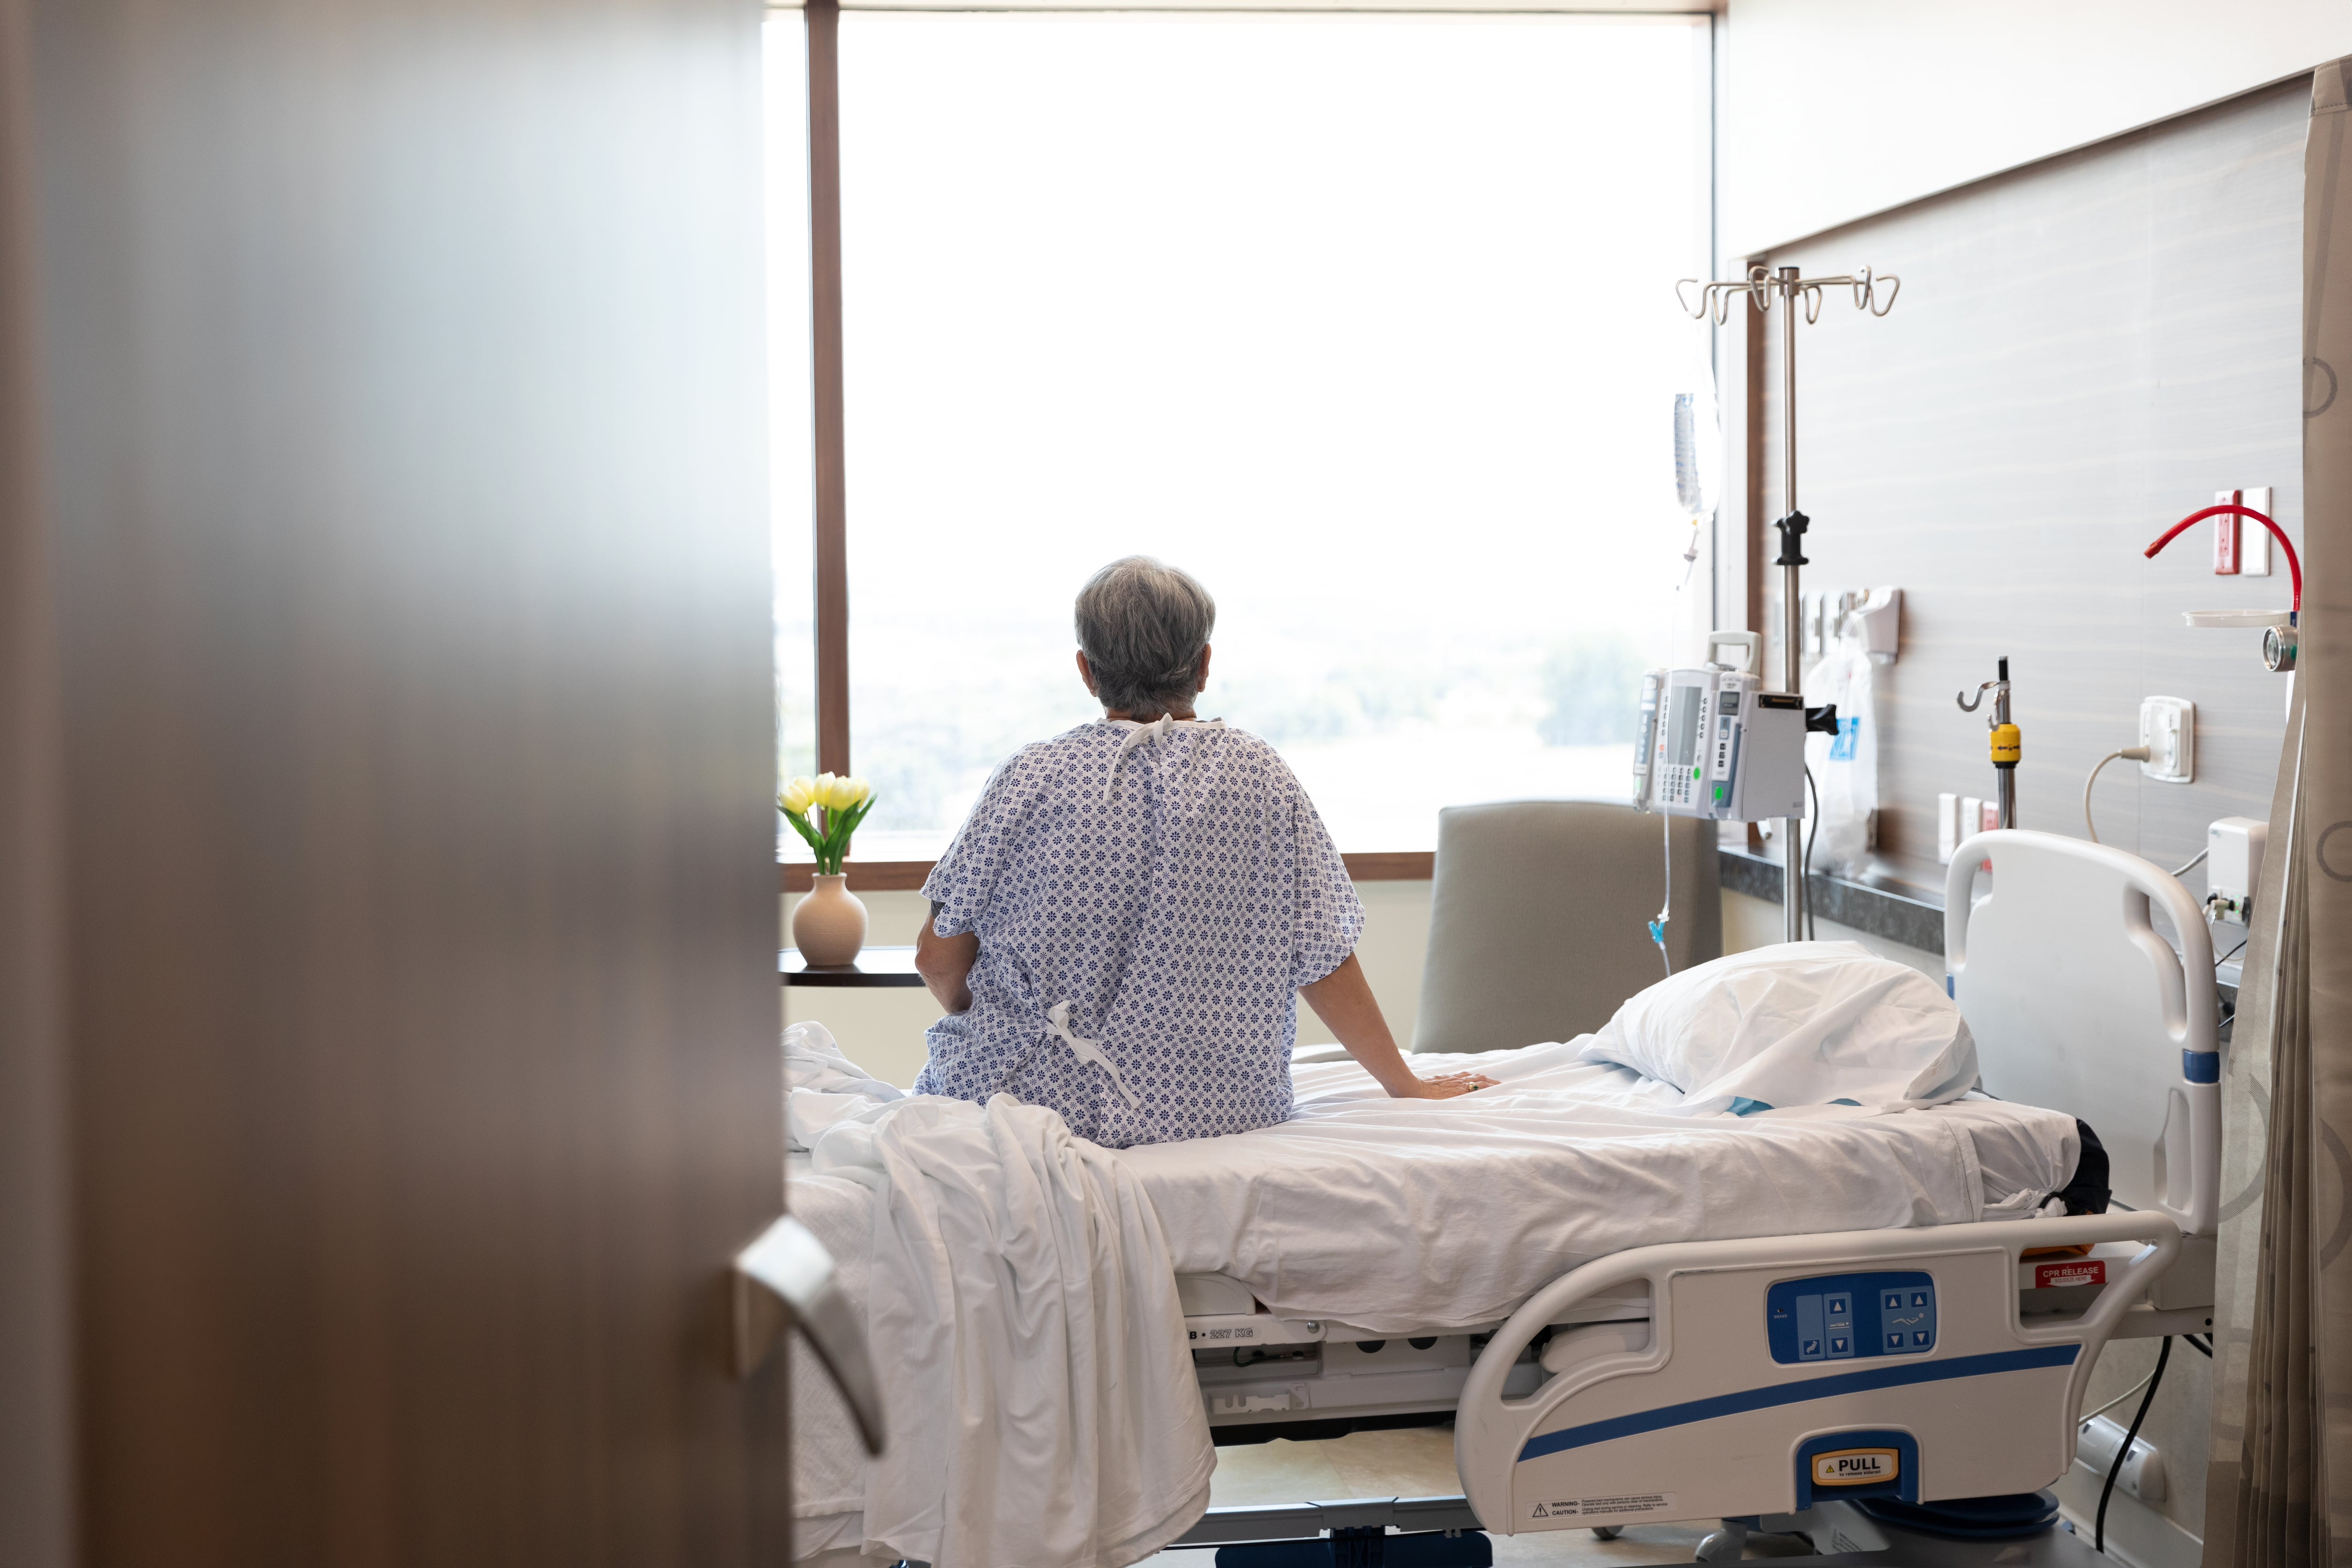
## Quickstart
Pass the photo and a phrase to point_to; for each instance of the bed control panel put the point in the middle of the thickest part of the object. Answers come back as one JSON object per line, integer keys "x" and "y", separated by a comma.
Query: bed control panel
{"x": 1849, "y": 1317}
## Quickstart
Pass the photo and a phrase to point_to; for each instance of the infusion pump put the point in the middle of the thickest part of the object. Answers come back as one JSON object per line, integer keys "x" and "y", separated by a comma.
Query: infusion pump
{"x": 1712, "y": 744}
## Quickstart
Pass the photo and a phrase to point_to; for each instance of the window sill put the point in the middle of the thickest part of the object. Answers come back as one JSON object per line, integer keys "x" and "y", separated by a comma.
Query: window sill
{"x": 1899, "y": 901}
{"x": 907, "y": 876}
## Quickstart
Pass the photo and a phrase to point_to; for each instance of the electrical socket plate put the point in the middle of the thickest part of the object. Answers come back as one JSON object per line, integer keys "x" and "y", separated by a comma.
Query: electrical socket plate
{"x": 2168, "y": 728}
{"x": 2254, "y": 538}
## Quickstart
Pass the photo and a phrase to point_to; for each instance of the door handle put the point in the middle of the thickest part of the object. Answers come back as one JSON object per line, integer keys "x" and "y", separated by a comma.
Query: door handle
{"x": 786, "y": 1281}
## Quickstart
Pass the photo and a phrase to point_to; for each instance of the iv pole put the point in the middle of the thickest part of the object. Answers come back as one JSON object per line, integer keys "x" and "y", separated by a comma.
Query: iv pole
{"x": 1764, "y": 288}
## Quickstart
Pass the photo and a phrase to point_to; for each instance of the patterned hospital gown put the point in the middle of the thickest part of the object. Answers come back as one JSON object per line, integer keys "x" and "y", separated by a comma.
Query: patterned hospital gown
{"x": 1171, "y": 883}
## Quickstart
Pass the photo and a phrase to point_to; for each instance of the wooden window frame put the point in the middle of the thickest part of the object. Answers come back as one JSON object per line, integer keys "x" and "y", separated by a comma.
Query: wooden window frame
{"x": 830, "y": 502}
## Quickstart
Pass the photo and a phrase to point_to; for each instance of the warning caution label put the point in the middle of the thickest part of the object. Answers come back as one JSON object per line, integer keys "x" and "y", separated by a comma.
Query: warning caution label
{"x": 1618, "y": 1505}
{"x": 1623, "y": 1504}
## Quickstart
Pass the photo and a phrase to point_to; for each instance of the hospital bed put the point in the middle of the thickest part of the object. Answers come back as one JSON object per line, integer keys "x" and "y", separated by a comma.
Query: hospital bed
{"x": 1757, "y": 1379}
{"x": 1783, "y": 1381}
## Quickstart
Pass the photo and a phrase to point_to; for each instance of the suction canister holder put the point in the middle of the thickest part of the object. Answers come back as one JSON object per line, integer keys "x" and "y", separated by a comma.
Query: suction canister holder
{"x": 2008, "y": 743}
{"x": 2279, "y": 637}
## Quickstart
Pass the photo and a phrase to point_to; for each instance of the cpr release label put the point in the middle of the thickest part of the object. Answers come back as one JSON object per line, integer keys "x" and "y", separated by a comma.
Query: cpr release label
{"x": 1622, "y": 1505}
{"x": 2082, "y": 1271}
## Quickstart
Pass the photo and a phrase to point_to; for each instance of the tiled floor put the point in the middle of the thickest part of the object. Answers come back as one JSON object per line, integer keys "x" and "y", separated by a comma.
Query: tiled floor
{"x": 1414, "y": 1463}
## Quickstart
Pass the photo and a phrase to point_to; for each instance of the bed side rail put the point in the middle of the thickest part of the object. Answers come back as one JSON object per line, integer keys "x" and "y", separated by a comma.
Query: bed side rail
{"x": 1768, "y": 1364}
{"x": 2078, "y": 1004}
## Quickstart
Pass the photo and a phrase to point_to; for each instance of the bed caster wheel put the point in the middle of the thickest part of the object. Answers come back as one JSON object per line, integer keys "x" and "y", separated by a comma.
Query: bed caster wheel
{"x": 1607, "y": 1532}
{"x": 1727, "y": 1544}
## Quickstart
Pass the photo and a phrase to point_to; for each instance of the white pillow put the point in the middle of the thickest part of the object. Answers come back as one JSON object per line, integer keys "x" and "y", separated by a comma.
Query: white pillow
{"x": 1804, "y": 1022}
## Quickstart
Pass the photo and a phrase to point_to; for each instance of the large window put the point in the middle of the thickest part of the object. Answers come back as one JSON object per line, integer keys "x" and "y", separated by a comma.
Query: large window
{"x": 1366, "y": 321}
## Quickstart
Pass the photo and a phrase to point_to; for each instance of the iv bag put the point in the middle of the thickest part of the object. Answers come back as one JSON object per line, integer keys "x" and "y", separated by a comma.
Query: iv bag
{"x": 1844, "y": 765}
{"x": 1698, "y": 444}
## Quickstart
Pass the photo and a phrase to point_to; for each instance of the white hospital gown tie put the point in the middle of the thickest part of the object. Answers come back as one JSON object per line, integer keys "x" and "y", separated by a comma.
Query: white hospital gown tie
{"x": 1057, "y": 1018}
{"x": 1142, "y": 733}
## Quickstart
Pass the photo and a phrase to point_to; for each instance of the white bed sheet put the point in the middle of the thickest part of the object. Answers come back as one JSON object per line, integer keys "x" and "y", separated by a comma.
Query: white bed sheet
{"x": 1395, "y": 1215}
{"x": 1400, "y": 1215}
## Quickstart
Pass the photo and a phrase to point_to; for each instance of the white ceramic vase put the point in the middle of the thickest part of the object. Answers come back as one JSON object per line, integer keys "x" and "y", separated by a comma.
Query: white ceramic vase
{"x": 829, "y": 922}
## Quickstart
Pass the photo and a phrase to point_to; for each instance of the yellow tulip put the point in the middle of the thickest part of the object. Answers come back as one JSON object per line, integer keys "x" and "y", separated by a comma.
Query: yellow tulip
{"x": 798, "y": 795}
{"x": 859, "y": 792}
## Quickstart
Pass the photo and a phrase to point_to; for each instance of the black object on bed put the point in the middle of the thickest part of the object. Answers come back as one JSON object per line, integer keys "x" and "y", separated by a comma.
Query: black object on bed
{"x": 2086, "y": 1191}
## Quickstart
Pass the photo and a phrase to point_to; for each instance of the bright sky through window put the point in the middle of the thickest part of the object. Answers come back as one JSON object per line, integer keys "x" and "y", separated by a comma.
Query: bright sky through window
{"x": 1368, "y": 323}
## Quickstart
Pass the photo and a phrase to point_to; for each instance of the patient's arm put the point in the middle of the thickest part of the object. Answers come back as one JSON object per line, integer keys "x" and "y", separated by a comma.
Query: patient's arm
{"x": 945, "y": 964}
{"x": 1343, "y": 999}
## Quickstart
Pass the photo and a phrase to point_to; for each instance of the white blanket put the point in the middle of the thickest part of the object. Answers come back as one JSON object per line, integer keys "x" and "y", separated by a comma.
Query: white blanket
{"x": 1402, "y": 1216}
{"x": 1021, "y": 1309}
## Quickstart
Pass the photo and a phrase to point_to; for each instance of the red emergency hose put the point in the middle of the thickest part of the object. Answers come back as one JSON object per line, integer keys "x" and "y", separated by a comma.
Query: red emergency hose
{"x": 2294, "y": 566}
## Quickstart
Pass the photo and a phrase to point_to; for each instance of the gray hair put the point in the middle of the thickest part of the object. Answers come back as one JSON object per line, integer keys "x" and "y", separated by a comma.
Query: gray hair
{"x": 1143, "y": 626}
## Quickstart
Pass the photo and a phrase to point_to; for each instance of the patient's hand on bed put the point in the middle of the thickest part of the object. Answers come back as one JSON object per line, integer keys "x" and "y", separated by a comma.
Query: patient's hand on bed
{"x": 1343, "y": 999}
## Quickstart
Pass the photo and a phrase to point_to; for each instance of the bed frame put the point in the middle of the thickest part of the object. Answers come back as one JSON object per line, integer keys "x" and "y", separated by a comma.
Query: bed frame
{"x": 1711, "y": 1380}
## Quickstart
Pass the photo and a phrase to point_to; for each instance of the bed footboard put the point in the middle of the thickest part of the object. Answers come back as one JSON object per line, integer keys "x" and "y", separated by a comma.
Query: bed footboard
{"x": 1774, "y": 1373}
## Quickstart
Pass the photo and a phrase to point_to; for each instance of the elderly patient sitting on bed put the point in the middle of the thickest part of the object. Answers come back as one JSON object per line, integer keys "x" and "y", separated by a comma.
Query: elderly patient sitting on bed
{"x": 1119, "y": 927}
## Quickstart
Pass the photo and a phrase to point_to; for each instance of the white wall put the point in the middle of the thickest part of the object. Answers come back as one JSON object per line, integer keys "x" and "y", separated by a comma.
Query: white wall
{"x": 882, "y": 1031}
{"x": 1836, "y": 110}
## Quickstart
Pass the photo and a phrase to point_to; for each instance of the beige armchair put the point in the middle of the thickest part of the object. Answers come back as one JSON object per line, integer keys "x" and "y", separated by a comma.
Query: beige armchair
{"x": 1539, "y": 917}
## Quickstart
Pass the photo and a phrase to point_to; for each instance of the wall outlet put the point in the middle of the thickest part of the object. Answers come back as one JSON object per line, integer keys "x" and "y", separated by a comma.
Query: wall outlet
{"x": 2168, "y": 728}
{"x": 2254, "y": 538}
{"x": 2226, "y": 535}
{"x": 2233, "y": 867}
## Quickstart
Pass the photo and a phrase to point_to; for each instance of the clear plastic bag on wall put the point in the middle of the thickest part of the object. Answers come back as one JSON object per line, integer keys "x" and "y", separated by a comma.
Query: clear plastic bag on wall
{"x": 1844, "y": 765}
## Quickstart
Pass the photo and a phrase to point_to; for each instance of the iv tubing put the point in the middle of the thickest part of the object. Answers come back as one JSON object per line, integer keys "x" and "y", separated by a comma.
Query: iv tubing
{"x": 1667, "y": 909}
{"x": 2293, "y": 565}
{"x": 1665, "y": 823}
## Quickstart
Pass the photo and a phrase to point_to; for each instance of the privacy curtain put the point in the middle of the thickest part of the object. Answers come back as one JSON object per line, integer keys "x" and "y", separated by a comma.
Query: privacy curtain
{"x": 2280, "y": 1487}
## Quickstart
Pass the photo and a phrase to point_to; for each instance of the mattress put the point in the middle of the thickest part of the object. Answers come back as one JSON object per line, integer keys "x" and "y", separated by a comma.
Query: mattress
{"x": 1389, "y": 1217}
{"x": 1394, "y": 1216}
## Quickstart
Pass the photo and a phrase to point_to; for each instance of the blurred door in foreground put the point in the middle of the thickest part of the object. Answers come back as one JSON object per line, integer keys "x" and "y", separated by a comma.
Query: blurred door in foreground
{"x": 389, "y": 1065}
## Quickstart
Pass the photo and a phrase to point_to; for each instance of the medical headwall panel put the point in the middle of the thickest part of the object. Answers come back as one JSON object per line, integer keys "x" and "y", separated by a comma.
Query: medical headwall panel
{"x": 2087, "y": 351}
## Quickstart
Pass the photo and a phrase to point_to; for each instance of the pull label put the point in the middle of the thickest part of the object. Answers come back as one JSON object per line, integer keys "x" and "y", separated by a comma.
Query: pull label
{"x": 1856, "y": 1467}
